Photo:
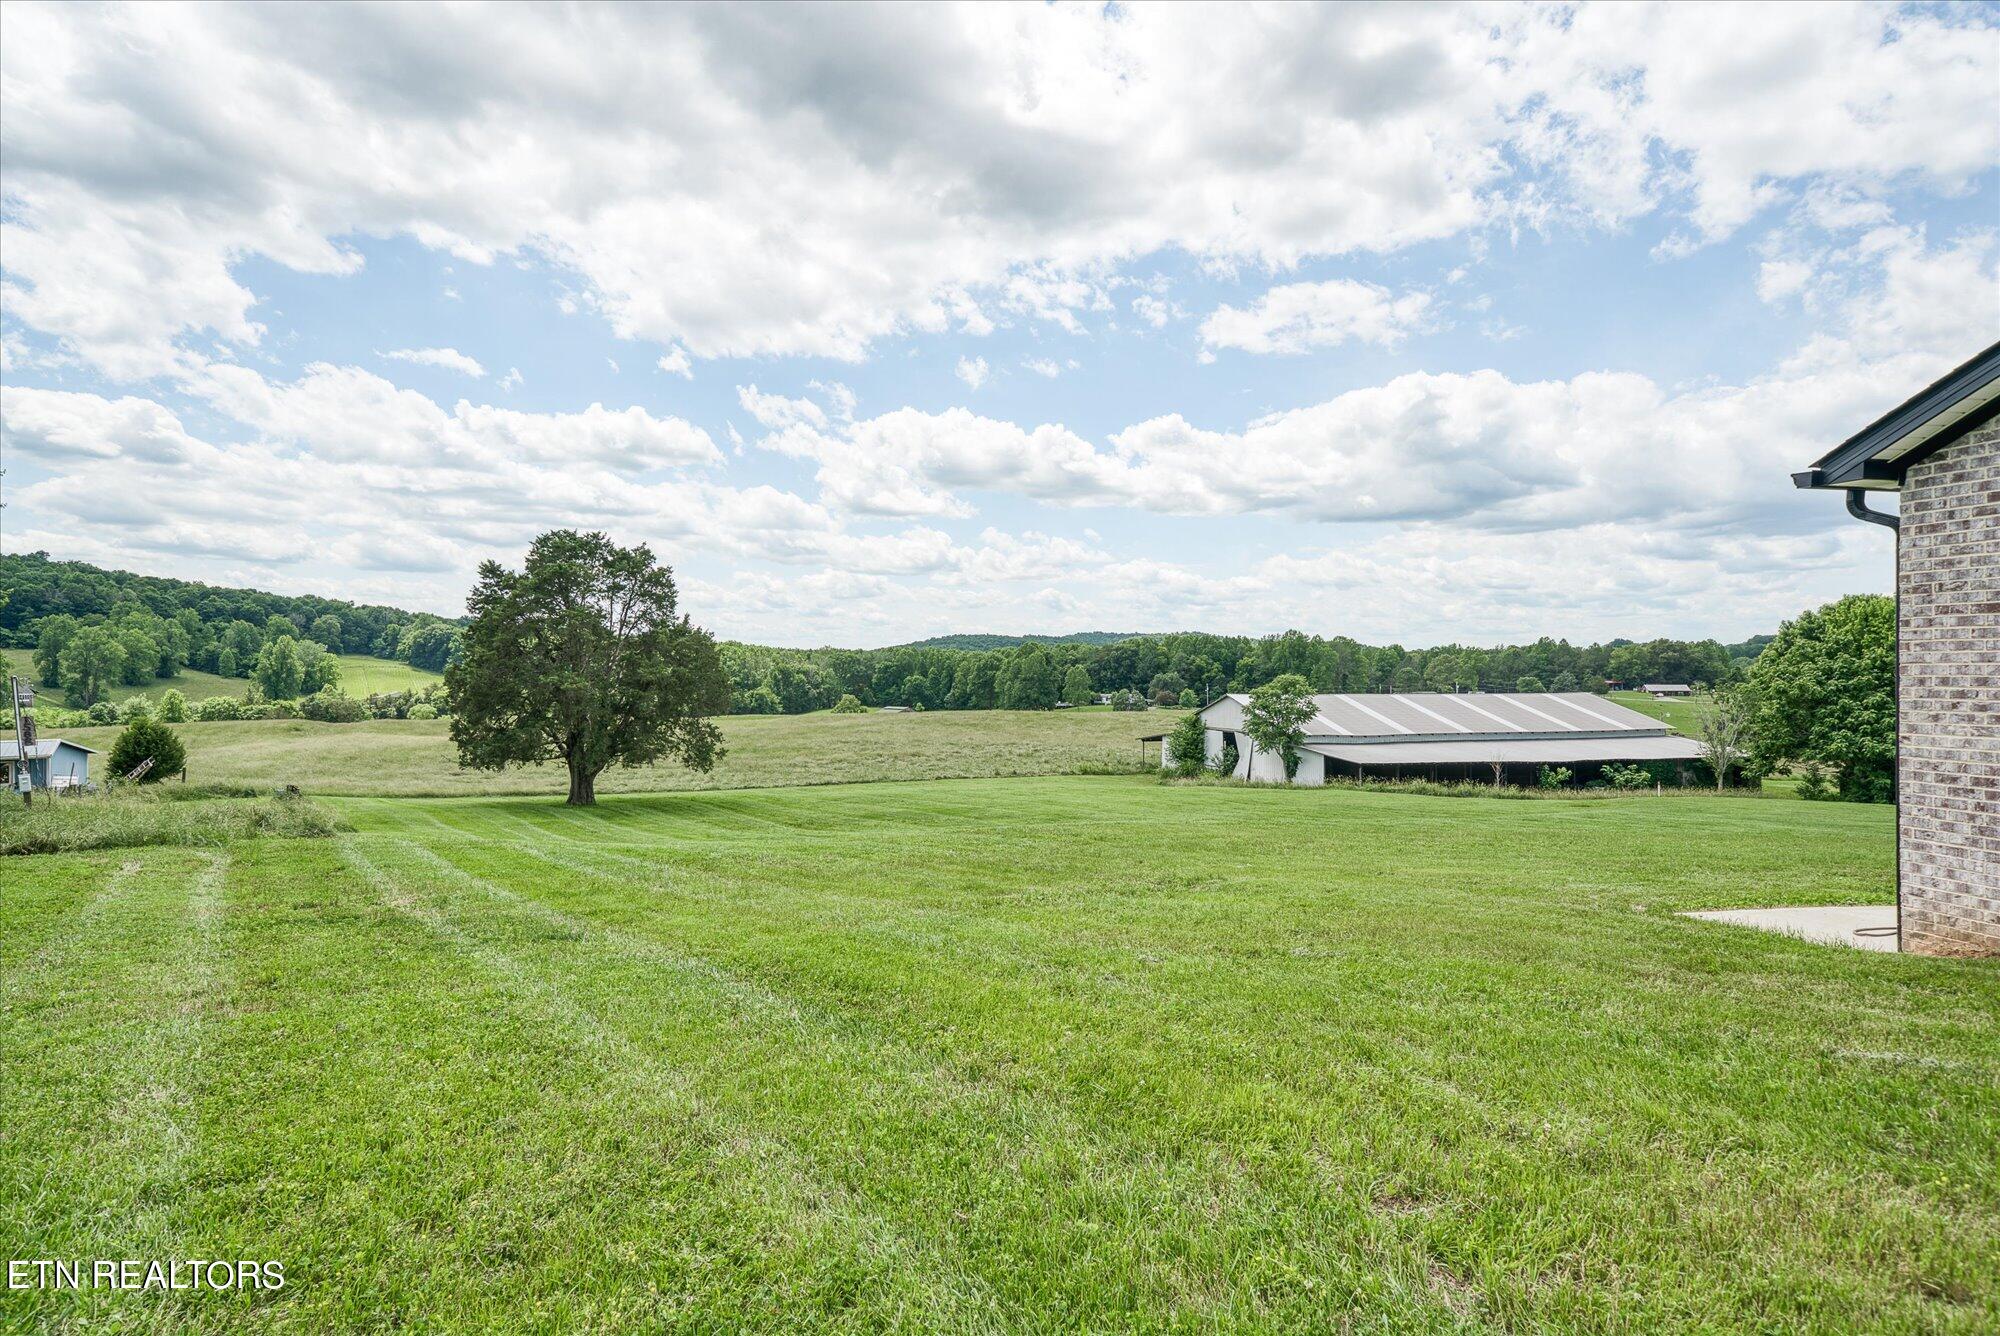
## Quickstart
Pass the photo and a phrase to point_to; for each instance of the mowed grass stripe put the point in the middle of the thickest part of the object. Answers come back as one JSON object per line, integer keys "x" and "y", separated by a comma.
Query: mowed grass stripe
{"x": 507, "y": 1165}
{"x": 115, "y": 1040}
{"x": 50, "y": 915}
{"x": 893, "y": 1268}
{"x": 954, "y": 1156}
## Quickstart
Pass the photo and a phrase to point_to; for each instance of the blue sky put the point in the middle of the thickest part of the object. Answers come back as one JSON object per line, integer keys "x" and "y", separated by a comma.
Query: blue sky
{"x": 1419, "y": 325}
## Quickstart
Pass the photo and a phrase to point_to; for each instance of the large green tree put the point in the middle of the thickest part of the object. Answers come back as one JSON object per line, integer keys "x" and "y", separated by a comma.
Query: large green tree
{"x": 93, "y": 662}
{"x": 55, "y": 632}
{"x": 1826, "y": 693}
{"x": 581, "y": 657}
{"x": 1076, "y": 685}
{"x": 430, "y": 645}
{"x": 1027, "y": 680}
{"x": 280, "y": 670}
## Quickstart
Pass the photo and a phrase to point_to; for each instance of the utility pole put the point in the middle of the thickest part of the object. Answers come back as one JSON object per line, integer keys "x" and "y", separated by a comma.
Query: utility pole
{"x": 19, "y": 693}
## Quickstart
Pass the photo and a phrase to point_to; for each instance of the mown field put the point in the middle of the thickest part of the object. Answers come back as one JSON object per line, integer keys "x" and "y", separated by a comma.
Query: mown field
{"x": 1049, "y": 1054}
{"x": 416, "y": 757}
{"x": 1683, "y": 716}
{"x": 360, "y": 675}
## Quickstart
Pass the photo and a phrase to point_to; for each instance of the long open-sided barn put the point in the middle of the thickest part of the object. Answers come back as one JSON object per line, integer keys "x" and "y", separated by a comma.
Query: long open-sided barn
{"x": 1502, "y": 737}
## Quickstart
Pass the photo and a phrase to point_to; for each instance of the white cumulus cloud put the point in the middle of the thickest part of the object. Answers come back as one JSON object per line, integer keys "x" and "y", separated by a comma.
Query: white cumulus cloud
{"x": 449, "y": 359}
{"x": 1299, "y": 317}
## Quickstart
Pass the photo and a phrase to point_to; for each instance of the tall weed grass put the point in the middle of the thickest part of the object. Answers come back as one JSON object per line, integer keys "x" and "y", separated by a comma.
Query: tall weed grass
{"x": 160, "y": 815}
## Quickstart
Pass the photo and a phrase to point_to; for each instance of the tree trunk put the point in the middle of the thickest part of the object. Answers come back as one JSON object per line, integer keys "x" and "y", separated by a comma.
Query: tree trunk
{"x": 582, "y": 786}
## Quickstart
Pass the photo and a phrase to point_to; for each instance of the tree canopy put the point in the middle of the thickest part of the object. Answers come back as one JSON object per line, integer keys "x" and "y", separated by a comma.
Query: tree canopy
{"x": 1276, "y": 717}
{"x": 582, "y": 657}
{"x": 1826, "y": 693}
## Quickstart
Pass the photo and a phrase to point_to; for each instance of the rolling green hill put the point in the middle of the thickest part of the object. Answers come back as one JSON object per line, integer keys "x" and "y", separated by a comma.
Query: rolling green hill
{"x": 360, "y": 675}
{"x": 191, "y": 683}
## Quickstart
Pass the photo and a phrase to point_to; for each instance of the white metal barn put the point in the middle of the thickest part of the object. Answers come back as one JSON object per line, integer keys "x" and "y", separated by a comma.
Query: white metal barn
{"x": 1498, "y": 737}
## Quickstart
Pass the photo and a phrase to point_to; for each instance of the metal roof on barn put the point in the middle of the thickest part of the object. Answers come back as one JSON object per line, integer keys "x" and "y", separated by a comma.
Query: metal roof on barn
{"x": 1436, "y": 717}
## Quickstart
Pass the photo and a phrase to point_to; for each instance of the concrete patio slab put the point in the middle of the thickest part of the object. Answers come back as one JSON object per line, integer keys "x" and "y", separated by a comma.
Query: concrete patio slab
{"x": 1836, "y": 925}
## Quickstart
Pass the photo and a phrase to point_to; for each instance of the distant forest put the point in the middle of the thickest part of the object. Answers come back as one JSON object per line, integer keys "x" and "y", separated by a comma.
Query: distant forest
{"x": 166, "y": 624}
{"x": 1013, "y": 642}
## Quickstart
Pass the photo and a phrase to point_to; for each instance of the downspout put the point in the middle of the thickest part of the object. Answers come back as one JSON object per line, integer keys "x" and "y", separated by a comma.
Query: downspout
{"x": 1857, "y": 506}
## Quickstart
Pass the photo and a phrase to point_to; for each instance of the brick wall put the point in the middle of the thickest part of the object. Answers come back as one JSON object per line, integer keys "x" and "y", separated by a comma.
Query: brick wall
{"x": 1949, "y": 753}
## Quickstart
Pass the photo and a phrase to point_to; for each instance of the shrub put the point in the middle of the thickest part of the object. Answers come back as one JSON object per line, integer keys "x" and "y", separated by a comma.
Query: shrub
{"x": 759, "y": 699}
{"x": 329, "y": 706}
{"x": 422, "y": 710}
{"x": 1187, "y": 745}
{"x": 147, "y": 739}
{"x": 1189, "y": 700}
{"x": 1554, "y": 776}
{"x": 218, "y": 707}
{"x": 278, "y": 709}
{"x": 849, "y": 705}
{"x": 173, "y": 707}
{"x": 1225, "y": 764}
{"x": 103, "y": 712}
{"x": 1627, "y": 776}
{"x": 1127, "y": 700}
{"x": 134, "y": 707}
{"x": 1815, "y": 785}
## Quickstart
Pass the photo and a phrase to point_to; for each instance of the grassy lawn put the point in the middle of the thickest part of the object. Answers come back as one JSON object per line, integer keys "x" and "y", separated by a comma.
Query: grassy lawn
{"x": 1068, "y": 1053}
{"x": 360, "y": 675}
{"x": 402, "y": 756}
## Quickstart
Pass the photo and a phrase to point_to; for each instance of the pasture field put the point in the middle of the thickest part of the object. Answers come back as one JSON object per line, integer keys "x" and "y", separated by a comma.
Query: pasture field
{"x": 360, "y": 675}
{"x": 363, "y": 675}
{"x": 1681, "y": 715}
{"x": 416, "y": 757}
{"x": 193, "y": 684}
{"x": 1030, "y": 1054}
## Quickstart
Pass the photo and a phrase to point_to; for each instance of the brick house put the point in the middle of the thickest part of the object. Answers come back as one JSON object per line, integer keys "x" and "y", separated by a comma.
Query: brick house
{"x": 1941, "y": 451}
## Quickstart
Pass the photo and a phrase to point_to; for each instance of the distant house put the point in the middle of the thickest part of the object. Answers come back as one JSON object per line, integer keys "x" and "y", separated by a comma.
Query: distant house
{"x": 1941, "y": 451}
{"x": 1662, "y": 689}
{"x": 1498, "y": 737}
{"x": 51, "y": 763}
{"x": 894, "y": 709}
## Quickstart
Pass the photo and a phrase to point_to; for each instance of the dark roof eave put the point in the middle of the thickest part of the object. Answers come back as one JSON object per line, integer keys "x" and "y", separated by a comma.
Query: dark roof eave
{"x": 1857, "y": 463}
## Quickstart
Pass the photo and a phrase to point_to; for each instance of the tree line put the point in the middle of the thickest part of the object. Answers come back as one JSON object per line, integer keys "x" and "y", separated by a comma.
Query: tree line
{"x": 129, "y": 629}
{"x": 92, "y": 630}
{"x": 1193, "y": 668}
